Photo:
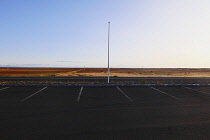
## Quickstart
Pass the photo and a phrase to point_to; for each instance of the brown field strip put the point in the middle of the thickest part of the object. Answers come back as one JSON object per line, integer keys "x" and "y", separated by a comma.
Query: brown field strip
{"x": 102, "y": 72}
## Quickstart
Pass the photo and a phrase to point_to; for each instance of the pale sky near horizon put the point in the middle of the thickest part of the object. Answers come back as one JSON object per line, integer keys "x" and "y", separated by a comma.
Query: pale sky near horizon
{"x": 73, "y": 33}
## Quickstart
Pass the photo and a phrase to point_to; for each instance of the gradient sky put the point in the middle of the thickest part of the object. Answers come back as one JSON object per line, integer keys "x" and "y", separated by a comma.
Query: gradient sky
{"x": 73, "y": 33}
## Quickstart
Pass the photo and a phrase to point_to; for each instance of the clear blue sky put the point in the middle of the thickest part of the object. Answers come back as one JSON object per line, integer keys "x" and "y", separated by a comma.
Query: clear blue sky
{"x": 73, "y": 33}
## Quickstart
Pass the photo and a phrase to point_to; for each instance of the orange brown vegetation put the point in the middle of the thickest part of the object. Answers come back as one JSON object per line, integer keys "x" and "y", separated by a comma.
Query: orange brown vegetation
{"x": 102, "y": 72}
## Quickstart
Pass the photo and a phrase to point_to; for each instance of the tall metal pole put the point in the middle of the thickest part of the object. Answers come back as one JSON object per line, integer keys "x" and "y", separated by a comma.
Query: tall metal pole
{"x": 108, "y": 51}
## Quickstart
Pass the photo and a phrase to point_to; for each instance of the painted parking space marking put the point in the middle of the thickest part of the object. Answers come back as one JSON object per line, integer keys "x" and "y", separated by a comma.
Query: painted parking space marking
{"x": 197, "y": 90}
{"x": 125, "y": 94}
{"x": 165, "y": 93}
{"x": 34, "y": 94}
{"x": 80, "y": 93}
{"x": 4, "y": 88}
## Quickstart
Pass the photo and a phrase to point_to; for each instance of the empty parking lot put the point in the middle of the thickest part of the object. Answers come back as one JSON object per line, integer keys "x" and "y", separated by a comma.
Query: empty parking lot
{"x": 104, "y": 112}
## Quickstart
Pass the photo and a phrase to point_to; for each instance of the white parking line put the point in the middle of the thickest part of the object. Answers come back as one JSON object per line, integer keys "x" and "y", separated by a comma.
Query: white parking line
{"x": 33, "y": 94}
{"x": 197, "y": 90}
{"x": 124, "y": 94}
{"x": 165, "y": 93}
{"x": 79, "y": 94}
{"x": 4, "y": 88}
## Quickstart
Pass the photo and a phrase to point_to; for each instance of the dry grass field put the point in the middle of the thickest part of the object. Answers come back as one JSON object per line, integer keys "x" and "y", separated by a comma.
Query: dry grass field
{"x": 102, "y": 72}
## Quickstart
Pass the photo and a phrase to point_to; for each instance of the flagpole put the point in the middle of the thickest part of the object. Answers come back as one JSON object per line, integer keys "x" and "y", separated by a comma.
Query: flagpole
{"x": 108, "y": 51}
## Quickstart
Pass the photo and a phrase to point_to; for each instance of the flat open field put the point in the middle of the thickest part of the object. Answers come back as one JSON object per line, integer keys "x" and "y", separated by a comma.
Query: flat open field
{"x": 102, "y": 72}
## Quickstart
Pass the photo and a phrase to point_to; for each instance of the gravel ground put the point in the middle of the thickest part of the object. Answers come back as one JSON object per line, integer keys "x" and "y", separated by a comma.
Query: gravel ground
{"x": 102, "y": 81}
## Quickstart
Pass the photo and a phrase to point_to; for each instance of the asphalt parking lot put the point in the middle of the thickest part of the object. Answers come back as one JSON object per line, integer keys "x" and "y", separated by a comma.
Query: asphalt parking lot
{"x": 104, "y": 113}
